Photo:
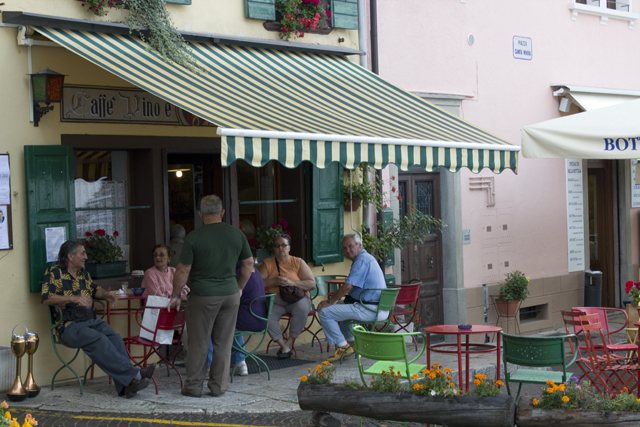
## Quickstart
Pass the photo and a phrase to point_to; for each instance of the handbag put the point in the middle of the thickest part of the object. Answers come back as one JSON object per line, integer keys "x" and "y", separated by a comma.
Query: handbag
{"x": 290, "y": 294}
{"x": 150, "y": 320}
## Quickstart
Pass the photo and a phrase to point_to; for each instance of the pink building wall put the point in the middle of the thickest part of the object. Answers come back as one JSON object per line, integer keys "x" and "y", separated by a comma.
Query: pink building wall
{"x": 423, "y": 48}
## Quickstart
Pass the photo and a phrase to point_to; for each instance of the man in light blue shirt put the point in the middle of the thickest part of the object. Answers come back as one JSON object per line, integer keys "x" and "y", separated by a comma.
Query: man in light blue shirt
{"x": 365, "y": 274}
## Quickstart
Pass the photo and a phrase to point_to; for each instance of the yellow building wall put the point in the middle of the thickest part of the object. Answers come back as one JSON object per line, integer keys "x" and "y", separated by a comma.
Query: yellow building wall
{"x": 203, "y": 16}
{"x": 17, "y": 304}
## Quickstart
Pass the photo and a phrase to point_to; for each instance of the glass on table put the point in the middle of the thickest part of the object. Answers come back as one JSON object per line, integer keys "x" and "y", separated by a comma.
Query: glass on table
{"x": 123, "y": 287}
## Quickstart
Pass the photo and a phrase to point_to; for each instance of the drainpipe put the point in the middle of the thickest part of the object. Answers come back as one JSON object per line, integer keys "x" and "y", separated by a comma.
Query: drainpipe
{"x": 362, "y": 34}
{"x": 373, "y": 11}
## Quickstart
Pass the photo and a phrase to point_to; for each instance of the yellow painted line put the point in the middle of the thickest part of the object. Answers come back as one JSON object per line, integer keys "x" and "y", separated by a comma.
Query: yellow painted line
{"x": 158, "y": 421}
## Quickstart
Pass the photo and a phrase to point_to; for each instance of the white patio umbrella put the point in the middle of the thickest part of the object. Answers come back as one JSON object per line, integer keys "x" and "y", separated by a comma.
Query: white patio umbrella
{"x": 606, "y": 133}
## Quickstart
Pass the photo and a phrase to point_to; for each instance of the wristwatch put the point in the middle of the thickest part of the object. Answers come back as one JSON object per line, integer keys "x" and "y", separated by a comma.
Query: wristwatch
{"x": 175, "y": 296}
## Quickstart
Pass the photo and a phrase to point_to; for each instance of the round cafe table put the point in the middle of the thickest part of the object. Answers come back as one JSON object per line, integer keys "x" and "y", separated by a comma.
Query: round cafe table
{"x": 466, "y": 349}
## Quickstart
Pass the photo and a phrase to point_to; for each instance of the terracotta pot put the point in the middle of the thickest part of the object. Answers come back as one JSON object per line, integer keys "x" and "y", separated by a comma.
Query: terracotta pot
{"x": 349, "y": 206}
{"x": 507, "y": 308}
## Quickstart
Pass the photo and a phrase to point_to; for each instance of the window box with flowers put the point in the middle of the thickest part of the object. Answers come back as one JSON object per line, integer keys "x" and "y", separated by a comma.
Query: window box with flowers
{"x": 265, "y": 235}
{"x": 103, "y": 255}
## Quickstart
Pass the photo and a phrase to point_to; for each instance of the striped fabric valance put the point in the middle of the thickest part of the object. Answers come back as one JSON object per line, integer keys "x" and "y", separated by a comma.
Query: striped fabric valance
{"x": 293, "y": 106}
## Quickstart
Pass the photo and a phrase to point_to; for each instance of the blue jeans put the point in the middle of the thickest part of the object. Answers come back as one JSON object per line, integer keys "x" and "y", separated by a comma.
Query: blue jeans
{"x": 332, "y": 317}
{"x": 235, "y": 355}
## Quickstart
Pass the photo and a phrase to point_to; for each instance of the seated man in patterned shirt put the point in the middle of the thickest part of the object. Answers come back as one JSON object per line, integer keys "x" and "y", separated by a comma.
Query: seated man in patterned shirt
{"x": 68, "y": 285}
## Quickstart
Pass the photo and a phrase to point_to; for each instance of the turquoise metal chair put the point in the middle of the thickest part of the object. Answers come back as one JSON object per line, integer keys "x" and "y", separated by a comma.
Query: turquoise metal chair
{"x": 262, "y": 335}
{"x": 55, "y": 320}
{"x": 536, "y": 352}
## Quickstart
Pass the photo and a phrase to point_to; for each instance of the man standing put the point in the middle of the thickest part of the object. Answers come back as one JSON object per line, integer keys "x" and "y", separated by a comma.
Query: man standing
{"x": 365, "y": 274}
{"x": 68, "y": 285}
{"x": 209, "y": 257}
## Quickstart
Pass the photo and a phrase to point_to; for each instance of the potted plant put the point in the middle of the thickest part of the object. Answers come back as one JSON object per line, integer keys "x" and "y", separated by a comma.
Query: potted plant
{"x": 103, "y": 255}
{"x": 361, "y": 189}
{"x": 299, "y": 16}
{"x": 512, "y": 292}
{"x": 265, "y": 235}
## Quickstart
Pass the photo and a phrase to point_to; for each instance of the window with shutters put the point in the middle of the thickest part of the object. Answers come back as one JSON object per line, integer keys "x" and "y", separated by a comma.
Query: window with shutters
{"x": 344, "y": 14}
{"x": 605, "y": 9}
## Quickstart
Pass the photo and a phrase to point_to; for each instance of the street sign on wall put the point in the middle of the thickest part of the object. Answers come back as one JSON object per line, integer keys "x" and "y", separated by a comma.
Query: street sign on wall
{"x": 522, "y": 48}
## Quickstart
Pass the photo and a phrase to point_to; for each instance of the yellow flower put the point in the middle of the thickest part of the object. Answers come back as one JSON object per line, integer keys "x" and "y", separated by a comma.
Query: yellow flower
{"x": 7, "y": 415}
{"x": 4, "y": 404}
{"x": 477, "y": 382}
{"x": 447, "y": 370}
{"x": 626, "y": 390}
{"x": 565, "y": 399}
{"x": 414, "y": 377}
{"x": 325, "y": 363}
{"x": 535, "y": 402}
{"x": 550, "y": 390}
{"x": 303, "y": 378}
{"x": 638, "y": 400}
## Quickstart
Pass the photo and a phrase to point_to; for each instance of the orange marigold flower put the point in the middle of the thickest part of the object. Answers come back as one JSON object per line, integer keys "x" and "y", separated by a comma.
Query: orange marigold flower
{"x": 565, "y": 399}
{"x": 303, "y": 378}
{"x": 432, "y": 375}
{"x": 479, "y": 376}
{"x": 535, "y": 402}
{"x": 447, "y": 370}
{"x": 500, "y": 383}
{"x": 325, "y": 363}
{"x": 477, "y": 382}
{"x": 626, "y": 390}
{"x": 415, "y": 376}
{"x": 4, "y": 404}
{"x": 416, "y": 386}
{"x": 426, "y": 372}
{"x": 309, "y": 370}
{"x": 551, "y": 383}
{"x": 550, "y": 390}
{"x": 561, "y": 387}
{"x": 449, "y": 377}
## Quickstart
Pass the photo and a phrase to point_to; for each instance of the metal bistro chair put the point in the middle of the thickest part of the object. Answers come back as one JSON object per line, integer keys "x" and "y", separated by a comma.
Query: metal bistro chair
{"x": 406, "y": 307}
{"x": 168, "y": 320}
{"x": 536, "y": 352}
{"x": 262, "y": 334}
{"x": 55, "y": 320}
{"x": 603, "y": 313}
{"x": 387, "y": 302}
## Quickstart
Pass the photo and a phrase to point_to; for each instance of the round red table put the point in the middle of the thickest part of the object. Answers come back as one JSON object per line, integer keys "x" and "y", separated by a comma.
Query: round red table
{"x": 465, "y": 349}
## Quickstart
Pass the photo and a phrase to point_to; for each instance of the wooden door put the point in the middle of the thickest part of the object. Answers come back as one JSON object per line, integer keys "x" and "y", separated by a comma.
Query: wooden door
{"x": 421, "y": 190}
{"x": 601, "y": 227}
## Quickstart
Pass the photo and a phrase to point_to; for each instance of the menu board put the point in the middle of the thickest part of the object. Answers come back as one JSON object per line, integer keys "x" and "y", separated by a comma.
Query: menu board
{"x": 575, "y": 214}
{"x": 6, "y": 238}
{"x": 635, "y": 189}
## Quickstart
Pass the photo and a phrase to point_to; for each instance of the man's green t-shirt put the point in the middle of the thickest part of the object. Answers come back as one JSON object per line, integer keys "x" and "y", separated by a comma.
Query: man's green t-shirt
{"x": 213, "y": 251}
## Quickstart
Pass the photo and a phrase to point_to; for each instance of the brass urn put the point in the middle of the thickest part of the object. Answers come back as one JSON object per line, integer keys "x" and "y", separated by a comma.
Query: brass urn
{"x": 17, "y": 393}
{"x": 32, "y": 345}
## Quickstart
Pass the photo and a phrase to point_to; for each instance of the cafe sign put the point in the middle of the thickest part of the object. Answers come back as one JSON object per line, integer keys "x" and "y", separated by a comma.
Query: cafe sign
{"x": 94, "y": 104}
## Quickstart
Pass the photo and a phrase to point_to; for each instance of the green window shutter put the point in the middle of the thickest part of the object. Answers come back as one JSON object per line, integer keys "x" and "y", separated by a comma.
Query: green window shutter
{"x": 260, "y": 9}
{"x": 178, "y": 1}
{"x": 387, "y": 221}
{"x": 344, "y": 14}
{"x": 327, "y": 214}
{"x": 51, "y": 201}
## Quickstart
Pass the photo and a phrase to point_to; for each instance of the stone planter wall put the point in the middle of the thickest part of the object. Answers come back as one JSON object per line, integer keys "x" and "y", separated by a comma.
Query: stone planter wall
{"x": 7, "y": 368}
{"x": 530, "y": 416}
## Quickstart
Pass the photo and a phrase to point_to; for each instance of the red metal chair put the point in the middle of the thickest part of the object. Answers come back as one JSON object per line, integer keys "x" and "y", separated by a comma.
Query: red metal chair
{"x": 608, "y": 375}
{"x": 173, "y": 320}
{"x": 572, "y": 321}
{"x": 603, "y": 313}
{"x": 406, "y": 307}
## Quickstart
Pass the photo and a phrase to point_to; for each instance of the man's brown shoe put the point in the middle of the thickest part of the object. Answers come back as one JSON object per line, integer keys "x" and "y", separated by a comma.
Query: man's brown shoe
{"x": 135, "y": 386}
{"x": 147, "y": 371}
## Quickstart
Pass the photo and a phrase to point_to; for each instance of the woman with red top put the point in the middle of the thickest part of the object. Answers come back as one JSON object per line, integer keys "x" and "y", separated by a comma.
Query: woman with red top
{"x": 286, "y": 270}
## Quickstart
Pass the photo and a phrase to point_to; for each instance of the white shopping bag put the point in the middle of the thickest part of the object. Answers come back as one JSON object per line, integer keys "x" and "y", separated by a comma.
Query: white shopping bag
{"x": 150, "y": 320}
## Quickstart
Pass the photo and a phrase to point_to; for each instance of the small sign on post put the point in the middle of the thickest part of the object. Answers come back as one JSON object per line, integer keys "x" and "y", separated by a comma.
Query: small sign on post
{"x": 522, "y": 48}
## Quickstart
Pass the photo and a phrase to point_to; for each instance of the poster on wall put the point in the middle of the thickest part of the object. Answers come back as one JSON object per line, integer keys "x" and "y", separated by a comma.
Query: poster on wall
{"x": 635, "y": 189}
{"x": 54, "y": 237}
{"x": 5, "y": 175}
{"x": 575, "y": 214}
{"x": 4, "y": 228}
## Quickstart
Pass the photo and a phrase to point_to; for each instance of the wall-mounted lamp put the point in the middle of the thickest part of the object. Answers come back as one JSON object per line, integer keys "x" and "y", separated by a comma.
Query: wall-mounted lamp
{"x": 47, "y": 88}
{"x": 178, "y": 172}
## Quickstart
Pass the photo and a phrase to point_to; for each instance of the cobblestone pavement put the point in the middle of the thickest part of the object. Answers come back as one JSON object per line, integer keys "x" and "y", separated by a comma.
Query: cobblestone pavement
{"x": 284, "y": 419}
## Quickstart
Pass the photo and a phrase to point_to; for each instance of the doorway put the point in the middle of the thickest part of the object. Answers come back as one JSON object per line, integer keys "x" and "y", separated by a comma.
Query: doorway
{"x": 421, "y": 190}
{"x": 601, "y": 245}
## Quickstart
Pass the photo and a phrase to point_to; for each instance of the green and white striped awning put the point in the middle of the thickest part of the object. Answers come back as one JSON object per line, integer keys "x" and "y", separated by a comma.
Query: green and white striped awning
{"x": 294, "y": 107}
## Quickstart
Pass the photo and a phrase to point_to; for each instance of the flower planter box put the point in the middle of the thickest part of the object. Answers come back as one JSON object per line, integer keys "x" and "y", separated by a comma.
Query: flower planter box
{"x": 107, "y": 270}
{"x": 7, "y": 368}
{"x": 530, "y": 416}
{"x": 450, "y": 411}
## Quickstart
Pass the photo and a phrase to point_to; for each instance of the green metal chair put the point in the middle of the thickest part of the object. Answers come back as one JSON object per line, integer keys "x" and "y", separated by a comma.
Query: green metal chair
{"x": 55, "y": 320}
{"x": 387, "y": 302}
{"x": 536, "y": 352}
{"x": 262, "y": 335}
{"x": 386, "y": 348}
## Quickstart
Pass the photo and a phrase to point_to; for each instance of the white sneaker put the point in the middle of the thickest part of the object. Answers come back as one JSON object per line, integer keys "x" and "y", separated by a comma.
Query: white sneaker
{"x": 241, "y": 370}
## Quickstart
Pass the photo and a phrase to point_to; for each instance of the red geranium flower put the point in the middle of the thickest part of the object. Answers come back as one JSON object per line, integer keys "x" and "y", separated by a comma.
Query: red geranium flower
{"x": 284, "y": 223}
{"x": 101, "y": 232}
{"x": 89, "y": 235}
{"x": 399, "y": 197}
{"x": 87, "y": 243}
{"x": 115, "y": 233}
